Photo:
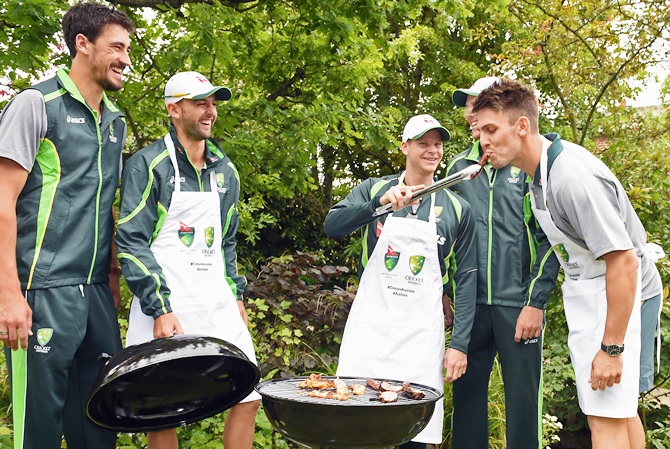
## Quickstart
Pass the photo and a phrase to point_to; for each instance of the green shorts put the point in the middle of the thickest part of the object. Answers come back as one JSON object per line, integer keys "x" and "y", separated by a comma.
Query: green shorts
{"x": 52, "y": 379}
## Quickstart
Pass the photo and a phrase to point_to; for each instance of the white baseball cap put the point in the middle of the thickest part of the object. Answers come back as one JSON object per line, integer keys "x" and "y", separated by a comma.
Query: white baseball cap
{"x": 460, "y": 96}
{"x": 419, "y": 125}
{"x": 192, "y": 86}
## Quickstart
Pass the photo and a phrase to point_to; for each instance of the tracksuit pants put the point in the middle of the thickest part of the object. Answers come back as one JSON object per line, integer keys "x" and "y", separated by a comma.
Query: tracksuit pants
{"x": 493, "y": 332}
{"x": 52, "y": 379}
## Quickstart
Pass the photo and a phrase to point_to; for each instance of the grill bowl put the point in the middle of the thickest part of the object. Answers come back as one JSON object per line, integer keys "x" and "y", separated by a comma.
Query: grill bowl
{"x": 360, "y": 422}
{"x": 169, "y": 382}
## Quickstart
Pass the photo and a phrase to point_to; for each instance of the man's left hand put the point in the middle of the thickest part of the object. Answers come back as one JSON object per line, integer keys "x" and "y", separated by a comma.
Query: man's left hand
{"x": 243, "y": 312}
{"x": 529, "y": 324}
{"x": 455, "y": 364}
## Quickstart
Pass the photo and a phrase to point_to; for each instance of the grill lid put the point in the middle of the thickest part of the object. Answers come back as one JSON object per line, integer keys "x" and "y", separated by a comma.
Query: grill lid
{"x": 169, "y": 382}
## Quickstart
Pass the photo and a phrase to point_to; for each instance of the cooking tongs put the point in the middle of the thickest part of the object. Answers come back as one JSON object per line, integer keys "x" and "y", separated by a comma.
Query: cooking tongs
{"x": 469, "y": 172}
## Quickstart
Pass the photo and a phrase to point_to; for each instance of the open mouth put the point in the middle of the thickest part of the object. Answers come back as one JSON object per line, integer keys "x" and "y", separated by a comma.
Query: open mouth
{"x": 206, "y": 123}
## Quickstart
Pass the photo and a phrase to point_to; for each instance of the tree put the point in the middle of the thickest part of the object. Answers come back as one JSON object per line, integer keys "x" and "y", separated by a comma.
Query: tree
{"x": 322, "y": 89}
{"x": 583, "y": 55}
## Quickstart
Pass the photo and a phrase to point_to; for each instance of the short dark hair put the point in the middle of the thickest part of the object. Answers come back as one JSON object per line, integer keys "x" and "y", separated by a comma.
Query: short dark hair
{"x": 89, "y": 19}
{"x": 512, "y": 98}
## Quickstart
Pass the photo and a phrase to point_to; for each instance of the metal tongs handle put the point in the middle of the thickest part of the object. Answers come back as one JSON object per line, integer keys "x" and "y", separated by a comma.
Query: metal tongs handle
{"x": 469, "y": 172}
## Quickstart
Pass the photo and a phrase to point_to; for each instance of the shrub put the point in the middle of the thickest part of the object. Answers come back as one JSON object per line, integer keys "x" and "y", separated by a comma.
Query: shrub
{"x": 297, "y": 313}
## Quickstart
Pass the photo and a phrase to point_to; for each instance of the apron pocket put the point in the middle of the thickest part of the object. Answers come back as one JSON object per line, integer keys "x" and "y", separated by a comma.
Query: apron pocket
{"x": 585, "y": 304}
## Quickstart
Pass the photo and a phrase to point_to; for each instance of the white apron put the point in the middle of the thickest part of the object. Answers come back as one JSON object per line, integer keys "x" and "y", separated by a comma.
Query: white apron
{"x": 395, "y": 329}
{"x": 188, "y": 249}
{"x": 585, "y": 304}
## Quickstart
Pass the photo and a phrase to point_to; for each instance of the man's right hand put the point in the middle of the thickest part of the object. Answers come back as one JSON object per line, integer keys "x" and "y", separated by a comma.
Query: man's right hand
{"x": 16, "y": 319}
{"x": 167, "y": 325}
{"x": 400, "y": 196}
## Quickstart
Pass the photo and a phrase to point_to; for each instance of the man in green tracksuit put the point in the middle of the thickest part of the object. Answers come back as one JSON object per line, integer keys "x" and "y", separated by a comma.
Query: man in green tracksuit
{"x": 516, "y": 274}
{"x": 60, "y": 152}
{"x": 176, "y": 240}
{"x": 410, "y": 260}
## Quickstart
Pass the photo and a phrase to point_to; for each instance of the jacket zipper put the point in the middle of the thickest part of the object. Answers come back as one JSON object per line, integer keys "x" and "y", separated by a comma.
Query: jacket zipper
{"x": 97, "y": 196}
{"x": 489, "y": 251}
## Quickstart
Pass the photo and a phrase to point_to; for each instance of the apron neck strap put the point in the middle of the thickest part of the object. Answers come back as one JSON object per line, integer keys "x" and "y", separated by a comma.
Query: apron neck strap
{"x": 173, "y": 158}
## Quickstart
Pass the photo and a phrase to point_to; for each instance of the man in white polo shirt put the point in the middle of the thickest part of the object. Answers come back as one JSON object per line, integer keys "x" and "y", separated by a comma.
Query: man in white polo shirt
{"x": 600, "y": 242}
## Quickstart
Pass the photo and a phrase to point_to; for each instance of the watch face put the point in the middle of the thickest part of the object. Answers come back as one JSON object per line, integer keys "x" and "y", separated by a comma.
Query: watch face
{"x": 614, "y": 350}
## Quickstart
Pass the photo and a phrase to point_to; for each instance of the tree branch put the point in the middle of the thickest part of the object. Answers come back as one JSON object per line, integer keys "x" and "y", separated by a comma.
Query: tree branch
{"x": 285, "y": 88}
{"x": 574, "y": 32}
{"x": 5, "y": 24}
{"x": 611, "y": 80}
{"x": 235, "y": 4}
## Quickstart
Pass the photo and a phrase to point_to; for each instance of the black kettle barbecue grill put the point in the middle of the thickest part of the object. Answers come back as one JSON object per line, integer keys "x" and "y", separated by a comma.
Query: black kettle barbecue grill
{"x": 178, "y": 380}
{"x": 359, "y": 422}
{"x": 169, "y": 382}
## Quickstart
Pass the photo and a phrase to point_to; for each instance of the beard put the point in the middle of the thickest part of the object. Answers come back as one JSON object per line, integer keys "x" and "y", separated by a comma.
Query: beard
{"x": 193, "y": 131}
{"x": 110, "y": 85}
{"x": 102, "y": 75}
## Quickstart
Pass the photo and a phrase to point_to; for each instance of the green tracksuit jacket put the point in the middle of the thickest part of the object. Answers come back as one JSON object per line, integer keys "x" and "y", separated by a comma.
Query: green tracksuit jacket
{"x": 64, "y": 211}
{"x": 529, "y": 274}
{"x": 456, "y": 251}
{"x": 146, "y": 193}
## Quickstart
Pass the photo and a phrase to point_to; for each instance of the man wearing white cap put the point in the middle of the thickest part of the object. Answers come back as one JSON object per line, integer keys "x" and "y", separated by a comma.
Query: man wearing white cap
{"x": 410, "y": 260}
{"x": 176, "y": 240}
{"x": 516, "y": 274}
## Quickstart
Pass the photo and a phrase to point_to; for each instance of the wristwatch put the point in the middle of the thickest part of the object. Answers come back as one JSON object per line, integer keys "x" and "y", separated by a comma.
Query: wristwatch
{"x": 613, "y": 350}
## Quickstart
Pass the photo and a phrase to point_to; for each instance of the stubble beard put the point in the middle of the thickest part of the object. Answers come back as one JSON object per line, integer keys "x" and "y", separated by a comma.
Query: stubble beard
{"x": 102, "y": 78}
{"x": 194, "y": 132}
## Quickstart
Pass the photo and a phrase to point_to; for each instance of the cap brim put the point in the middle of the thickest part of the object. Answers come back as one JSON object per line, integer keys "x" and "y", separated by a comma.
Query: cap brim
{"x": 460, "y": 96}
{"x": 221, "y": 93}
{"x": 443, "y": 133}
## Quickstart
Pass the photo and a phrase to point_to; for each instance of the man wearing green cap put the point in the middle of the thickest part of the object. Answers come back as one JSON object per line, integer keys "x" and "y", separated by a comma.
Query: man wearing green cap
{"x": 176, "y": 240}
{"x": 515, "y": 276}
{"x": 410, "y": 260}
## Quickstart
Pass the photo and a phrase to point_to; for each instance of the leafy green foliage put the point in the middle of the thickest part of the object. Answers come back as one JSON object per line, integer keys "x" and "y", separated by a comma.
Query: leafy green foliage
{"x": 581, "y": 56}
{"x": 297, "y": 315}
{"x": 266, "y": 436}
{"x": 658, "y": 437}
{"x": 27, "y": 30}
{"x": 321, "y": 91}
{"x": 5, "y": 405}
